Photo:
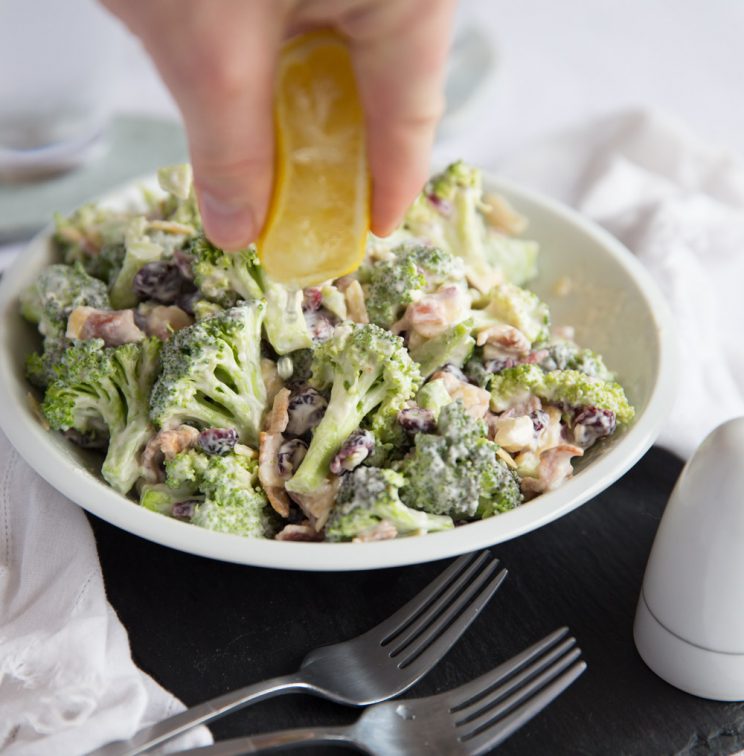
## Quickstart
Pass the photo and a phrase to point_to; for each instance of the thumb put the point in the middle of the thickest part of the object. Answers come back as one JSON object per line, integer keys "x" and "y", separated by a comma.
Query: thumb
{"x": 219, "y": 65}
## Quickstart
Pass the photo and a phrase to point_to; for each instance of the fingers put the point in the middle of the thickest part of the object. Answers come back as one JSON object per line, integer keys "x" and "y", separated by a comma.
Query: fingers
{"x": 218, "y": 60}
{"x": 399, "y": 52}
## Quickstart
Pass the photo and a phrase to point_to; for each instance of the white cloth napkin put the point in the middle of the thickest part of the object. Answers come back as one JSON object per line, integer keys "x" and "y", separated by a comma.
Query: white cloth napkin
{"x": 678, "y": 204}
{"x": 67, "y": 680}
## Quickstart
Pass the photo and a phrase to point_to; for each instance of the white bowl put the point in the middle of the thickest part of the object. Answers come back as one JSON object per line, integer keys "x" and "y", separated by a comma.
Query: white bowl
{"x": 612, "y": 302}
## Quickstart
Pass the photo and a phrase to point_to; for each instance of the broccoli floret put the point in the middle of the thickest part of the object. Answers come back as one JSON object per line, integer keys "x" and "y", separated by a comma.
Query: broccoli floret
{"x": 476, "y": 371}
{"x": 233, "y": 501}
{"x": 578, "y": 389}
{"x": 160, "y": 497}
{"x": 565, "y": 355}
{"x": 82, "y": 236}
{"x": 514, "y": 385}
{"x": 107, "y": 264}
{"x": 226, "y": 277}
{"x": 569, "y": 387}
{"x": 500, "y": 490}
{"x": 456, "y": 472}
{"x": 452, "y": 347}
{"x": 369, "y": 496}
{"x": 285, "y": 325}
{"x": 368, "y": 370}
{"x": 203, "y": 308}
{"x": 447, "y": 214}
{"x": 140, "y": 250}
{"x": 394, "y": 284}
{"x": 211, "y": 374}
{"x": 302, "y": 367}
{"x": 107, "y": 388}
{"x": 334, "y": 301}
{"x": 516, "y": 307}
{"x": 186, "y": 469}
{"x": 57, "y": 291}
{"x": 515, "y": 258}
{"x": 41, "y": 368}
{"x": 181, "y": 206}
{"x": 433, "y": 396}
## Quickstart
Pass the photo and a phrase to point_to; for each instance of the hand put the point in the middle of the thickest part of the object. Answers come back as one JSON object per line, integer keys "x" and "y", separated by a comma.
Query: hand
{"x": 218, "y": 58}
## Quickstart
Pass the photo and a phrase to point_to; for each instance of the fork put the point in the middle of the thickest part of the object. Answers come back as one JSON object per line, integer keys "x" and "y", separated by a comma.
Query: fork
{"x": 375, "y": 666}
{"x": 471, "y": 719}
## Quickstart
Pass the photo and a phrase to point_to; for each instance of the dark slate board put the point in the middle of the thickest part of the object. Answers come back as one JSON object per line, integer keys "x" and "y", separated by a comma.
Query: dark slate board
{"x": 202, "y": 627}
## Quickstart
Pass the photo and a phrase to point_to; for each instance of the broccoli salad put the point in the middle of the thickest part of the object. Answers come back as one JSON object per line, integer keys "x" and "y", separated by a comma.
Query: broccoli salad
{"x": 424, "y": 391}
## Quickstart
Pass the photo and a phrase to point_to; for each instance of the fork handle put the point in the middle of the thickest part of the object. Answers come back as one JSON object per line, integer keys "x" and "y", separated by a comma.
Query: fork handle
{"x": 269, "y": 741}
{"x": 202, "y": 713}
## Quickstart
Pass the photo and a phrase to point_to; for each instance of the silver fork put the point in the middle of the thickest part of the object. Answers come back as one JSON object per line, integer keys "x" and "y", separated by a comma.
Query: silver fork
{"x": 471, "y": 719}
{"x": 375, "y": 666}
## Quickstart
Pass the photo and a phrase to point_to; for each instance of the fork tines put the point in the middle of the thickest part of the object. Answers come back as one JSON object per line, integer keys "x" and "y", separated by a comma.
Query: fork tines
{"x": 488, "y": 709}
{"x": 431, "y": 622}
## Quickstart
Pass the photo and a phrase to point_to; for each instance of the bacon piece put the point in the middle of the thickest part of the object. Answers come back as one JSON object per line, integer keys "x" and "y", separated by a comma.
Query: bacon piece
{"x": 553, "y": 470}
{"x": 474, "y": 398}
{"x": 171, "y": 227}
{"x": 318, "y": 505}
{"x": 269, "y": 444}
{"x": 271, "y": 378}
{"x": 499, "y": 214}
{"x": 355, "y": 304}
{"x": 384, "y": 531}
{"x": 115, "y": 327}
{"x": 513, "y": 433}
{"x": 279, "y": 415}
{"x": 162, "y": 321}
{"x": 435, "y": 313}
{"x": 302, "y": 531}
{"x": 506, "y": 338}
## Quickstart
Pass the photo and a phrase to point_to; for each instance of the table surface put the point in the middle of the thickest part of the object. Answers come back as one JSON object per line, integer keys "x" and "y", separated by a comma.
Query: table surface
{"x": 203, "y": 627}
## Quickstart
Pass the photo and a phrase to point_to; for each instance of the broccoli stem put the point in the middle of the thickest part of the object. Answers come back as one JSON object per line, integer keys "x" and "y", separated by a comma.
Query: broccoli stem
{"x": 219, "y": 406}
{"x": 344, "y": 414}
{"x": 122, "y": 467}
{"x": 285, "y": 324}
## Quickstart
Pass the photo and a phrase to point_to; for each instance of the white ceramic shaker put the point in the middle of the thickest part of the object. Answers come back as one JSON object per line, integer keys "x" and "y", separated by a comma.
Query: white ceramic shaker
{"x": 689, "y": 625}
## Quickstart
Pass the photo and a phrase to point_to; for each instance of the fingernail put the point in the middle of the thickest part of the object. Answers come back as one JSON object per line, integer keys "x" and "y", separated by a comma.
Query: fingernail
{"x": 227, "y": 225}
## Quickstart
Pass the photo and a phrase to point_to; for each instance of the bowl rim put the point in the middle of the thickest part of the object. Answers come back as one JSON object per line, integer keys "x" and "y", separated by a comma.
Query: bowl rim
{"x": 94, "y": 495}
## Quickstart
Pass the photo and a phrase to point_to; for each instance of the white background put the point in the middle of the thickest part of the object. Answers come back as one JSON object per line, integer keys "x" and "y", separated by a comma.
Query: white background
{"x": 561, "y": 62}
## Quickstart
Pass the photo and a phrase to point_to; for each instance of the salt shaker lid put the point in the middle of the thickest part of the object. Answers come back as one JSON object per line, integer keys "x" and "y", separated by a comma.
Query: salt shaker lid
{"x": 689, "y": 625}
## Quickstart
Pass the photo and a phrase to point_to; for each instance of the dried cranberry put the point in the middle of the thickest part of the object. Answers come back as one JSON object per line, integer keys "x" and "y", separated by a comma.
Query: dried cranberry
{"x": 187, "y": 301}
{"x": 417, "y": 420}
{"x": 306, "y": 409}
{"x": 218, "y": 441}
{"x": 291, "y": 453}
{"x": 357, "y": 447}
{"x": 456, "y": 371}
{"x": 320, "y": 324}
{"x": 591, "y": 424}
{"x": 184, "y": 510}
{"x": 158, "y": 280}
{"x": 444, "y": 207}
{"x": 89, "y": 440}
{"x": 499, "y": 364}
{"x": 539, "y": 419}
{"x": 312, "y": 299}
{"x": 182, "y": 260}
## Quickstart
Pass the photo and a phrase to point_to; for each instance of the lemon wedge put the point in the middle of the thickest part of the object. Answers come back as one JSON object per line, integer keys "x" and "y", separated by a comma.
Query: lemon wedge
{"x": 318, "y": 219}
